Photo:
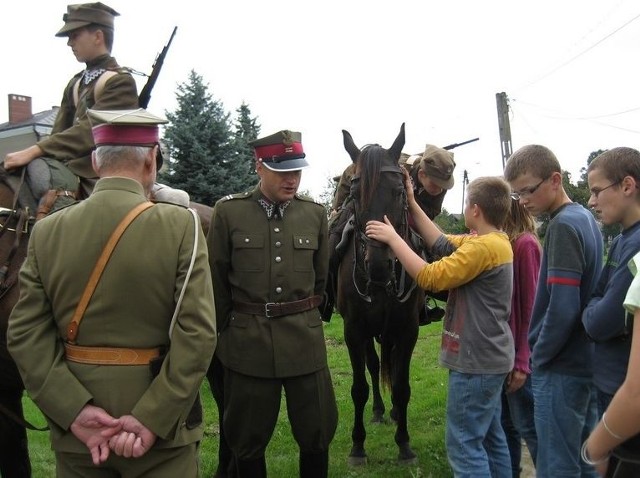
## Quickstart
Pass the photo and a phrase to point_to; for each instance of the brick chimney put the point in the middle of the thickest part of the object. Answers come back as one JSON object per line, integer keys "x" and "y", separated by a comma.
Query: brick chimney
{"x": 19, "y": 108}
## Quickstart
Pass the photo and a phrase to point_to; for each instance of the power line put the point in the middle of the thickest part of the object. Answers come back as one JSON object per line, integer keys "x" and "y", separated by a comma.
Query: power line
{"x": 575, "y": 57}
{"x": 566, "y": 117}
{"x": 607, "y": 115}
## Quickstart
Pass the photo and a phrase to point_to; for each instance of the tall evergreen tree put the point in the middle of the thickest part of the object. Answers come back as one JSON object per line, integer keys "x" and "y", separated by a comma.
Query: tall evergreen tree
{"x": 241, "y": 170}
{"x": 199, "y": 141}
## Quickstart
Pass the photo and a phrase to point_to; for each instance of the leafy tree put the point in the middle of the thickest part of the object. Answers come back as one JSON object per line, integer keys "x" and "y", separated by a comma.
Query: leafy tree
{"x": 327, "y": 193}
{"x": 451, "y": 223}
{"x": 200, "y": 143}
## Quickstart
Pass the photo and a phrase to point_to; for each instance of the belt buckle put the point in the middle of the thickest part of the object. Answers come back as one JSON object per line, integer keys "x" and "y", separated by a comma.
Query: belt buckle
{"x": 267, "y": 310}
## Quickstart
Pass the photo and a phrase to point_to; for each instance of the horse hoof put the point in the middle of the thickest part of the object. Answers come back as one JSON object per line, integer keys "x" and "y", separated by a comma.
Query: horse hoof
{"x": 357, "y": 460}
{"x": 406, "y": 456}
{"x": 408, "y": 461}
{"x": 377, "y": 418}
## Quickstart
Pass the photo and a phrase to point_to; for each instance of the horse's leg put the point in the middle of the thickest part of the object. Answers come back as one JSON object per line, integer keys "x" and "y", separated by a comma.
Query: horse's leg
{"x": 359, "y": 396}
{"x": 400, "y": 395}
{"x": 14, "y": 450}
{"x": 226, "y": 464}
{"x": 373, "y": 365}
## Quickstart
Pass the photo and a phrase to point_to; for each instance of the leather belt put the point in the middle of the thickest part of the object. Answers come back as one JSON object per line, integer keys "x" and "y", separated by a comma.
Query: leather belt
{"x": 109, "y": 355}
{"x": 277, "y": 309}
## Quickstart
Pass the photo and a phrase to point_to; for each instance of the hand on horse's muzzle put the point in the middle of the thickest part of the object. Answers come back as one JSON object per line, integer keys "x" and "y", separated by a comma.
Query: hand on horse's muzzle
{"x": 380, "y": 231}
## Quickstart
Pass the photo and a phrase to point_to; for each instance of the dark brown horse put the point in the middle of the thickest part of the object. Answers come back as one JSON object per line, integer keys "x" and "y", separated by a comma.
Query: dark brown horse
{"x": 376, "y": 297}
{"x": 17, "y": 210}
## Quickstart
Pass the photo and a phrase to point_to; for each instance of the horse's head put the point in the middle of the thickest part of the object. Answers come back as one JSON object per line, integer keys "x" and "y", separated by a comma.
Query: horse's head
{"x": 377, "y": 190}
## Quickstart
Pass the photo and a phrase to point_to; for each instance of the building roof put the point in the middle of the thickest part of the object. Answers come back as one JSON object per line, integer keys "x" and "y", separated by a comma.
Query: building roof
{"x": 42, "y": 119}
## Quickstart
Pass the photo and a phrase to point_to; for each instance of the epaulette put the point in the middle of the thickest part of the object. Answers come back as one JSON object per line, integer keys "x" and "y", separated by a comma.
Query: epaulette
{"x": 155, "y": 201}
{"x": 243, "y": 195}
{"x": 305, "y": 198}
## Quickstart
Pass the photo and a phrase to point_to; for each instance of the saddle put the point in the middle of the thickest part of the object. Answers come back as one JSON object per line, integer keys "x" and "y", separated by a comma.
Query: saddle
{"x": 51, "y": 184}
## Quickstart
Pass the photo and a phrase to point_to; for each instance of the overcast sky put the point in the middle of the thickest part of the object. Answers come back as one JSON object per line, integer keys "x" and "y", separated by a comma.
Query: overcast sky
{"x": 569, "y": 68}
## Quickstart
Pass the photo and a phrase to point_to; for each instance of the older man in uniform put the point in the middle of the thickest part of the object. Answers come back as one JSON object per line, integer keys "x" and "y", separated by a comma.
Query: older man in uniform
{"x": 269, "y": 258}
{"x": 128, "y": 366}
{"x": 102, "y": 85}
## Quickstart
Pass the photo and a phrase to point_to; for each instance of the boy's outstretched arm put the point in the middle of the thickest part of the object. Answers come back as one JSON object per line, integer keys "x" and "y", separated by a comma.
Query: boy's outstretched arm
{"x": 384, "y": 232}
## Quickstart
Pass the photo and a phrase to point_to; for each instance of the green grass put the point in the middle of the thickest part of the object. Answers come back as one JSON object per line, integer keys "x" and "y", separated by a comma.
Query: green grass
{"x": 426, "y": 422}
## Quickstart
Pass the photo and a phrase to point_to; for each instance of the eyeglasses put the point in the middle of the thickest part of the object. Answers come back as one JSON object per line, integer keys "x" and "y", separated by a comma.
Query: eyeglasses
{"x": 526, "y": 192}
{"x": 595, "y": 191}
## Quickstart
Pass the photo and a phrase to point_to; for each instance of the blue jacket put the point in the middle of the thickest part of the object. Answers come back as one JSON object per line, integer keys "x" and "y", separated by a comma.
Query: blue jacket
{"x": 571, "y": 264}
{"x": 604, "y": 318}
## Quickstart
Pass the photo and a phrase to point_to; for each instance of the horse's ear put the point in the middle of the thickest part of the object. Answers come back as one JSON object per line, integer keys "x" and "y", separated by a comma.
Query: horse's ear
{"x": 398, "y": 144}
{"x": 350, "y": 146}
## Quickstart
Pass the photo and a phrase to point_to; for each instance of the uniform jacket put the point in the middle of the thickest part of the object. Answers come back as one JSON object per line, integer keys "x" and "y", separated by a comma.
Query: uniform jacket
{"x": 132, "y": 306}
{"x": 71, "y": 140}
{"x": 255, "y": 259}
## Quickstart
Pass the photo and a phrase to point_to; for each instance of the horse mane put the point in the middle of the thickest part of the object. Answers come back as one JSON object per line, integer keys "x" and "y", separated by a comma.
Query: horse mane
{"x": 368, "y": 167}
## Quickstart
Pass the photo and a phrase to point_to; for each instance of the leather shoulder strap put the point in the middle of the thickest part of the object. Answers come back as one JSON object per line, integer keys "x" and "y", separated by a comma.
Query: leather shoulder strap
{"x": 72, "y": 328}
{"x": 97, "y": 89}
{"x": 76, "y": 92}
{"x": 100, "y": 82}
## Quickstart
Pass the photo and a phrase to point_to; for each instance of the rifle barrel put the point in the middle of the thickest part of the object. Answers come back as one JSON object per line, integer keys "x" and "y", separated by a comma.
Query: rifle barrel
{"x": 145, "y": 95}
{"x": 455, "y": 145}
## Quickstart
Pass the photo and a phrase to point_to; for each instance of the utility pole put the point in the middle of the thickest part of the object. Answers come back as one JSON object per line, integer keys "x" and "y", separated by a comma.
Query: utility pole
{"x": 504, "y": 127}
{"x": 465, "y": 181}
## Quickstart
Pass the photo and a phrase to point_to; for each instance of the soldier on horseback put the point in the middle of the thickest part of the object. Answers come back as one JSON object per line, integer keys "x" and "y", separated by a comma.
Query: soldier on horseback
{"x": 64, "y": 158}
{"x": 59, "y": 167}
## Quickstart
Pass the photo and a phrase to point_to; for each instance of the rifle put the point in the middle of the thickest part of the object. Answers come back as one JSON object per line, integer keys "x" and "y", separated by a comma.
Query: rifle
{"x": 145, "y": 94}
{"x": 455, "y": 145}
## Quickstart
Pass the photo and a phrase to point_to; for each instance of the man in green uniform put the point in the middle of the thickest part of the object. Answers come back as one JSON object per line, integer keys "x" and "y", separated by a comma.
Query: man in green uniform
{"x": 269, "y": 258}
{"x": 118, "y": 383}
{"x": 102, "y": 85}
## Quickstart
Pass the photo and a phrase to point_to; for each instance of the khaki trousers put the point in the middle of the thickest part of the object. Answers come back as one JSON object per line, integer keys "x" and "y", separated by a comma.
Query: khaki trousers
{"x": 179, "y": 462}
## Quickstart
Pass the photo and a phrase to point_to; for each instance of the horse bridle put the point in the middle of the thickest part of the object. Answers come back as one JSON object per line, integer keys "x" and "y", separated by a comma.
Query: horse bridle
{"x": 395, "y": 288}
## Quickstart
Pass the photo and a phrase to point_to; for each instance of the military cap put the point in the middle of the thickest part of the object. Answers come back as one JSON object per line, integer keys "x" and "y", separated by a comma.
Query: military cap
{"x": 126, "y": 128}
{"x": 438, "y": 165}
{"x": 281, "y": 151}
{"x": 83, "y": 14}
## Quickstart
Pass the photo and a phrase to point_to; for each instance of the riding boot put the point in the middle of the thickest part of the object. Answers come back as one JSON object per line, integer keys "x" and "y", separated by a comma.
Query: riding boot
{"x": 256, "y": 468}
{"x": 226, "y": 463}
{"x": 314, "y": 465}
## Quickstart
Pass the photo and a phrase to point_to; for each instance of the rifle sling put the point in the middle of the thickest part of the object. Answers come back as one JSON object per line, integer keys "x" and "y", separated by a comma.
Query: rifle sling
{"x": 72, "y": 328}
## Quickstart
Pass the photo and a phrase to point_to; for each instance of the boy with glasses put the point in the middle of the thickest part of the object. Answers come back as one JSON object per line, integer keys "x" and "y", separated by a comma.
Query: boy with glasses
{"x": 613, "y": 182}
{"x": 561, "y": 352}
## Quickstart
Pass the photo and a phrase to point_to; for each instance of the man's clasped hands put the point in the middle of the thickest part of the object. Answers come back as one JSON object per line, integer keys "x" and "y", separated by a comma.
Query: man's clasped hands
{"x": 102, "y": 434}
